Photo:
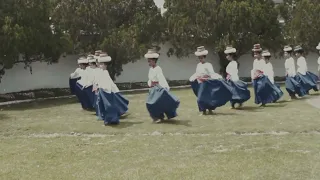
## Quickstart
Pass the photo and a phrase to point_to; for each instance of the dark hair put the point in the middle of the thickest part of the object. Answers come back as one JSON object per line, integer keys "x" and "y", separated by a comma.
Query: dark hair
{"x": 267, "y": 57}
{"x": 234, "y": 57}
{"x": 154, "y": 59}
{"x": 301, "y": 51}
{"x": 107, "y": 63}
{"x": 93, "y": 63}
{"x": 252, "y": 53}
{"x": 289, "y": 52}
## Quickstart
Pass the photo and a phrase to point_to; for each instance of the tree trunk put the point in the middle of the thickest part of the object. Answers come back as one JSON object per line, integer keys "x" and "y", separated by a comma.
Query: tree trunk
{"x": 223, "y": 63}
{"x": 112, "y": 68}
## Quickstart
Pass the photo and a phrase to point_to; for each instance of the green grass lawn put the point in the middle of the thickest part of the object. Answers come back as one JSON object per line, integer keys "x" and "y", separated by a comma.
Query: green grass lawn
{"x": 55, "y": 139}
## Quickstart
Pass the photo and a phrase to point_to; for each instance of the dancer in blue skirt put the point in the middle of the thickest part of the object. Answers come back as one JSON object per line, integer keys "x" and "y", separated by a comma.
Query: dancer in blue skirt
{"x": 268, "y": 71}
{"x": 76, "y": 75}
{"x": 240, "y": 92}
{"x": 83, "y": 88}
{"x": 93, "y": 74}
{"x": 263, "y": 88}
{"x": 293, "y": 87}
{"x": 211, "y": 89}
{"x": 318, "y": 48}
{"x": 307, "y": 79}
{"x": 160, "y": 101}
{"x": 110, "y": 104}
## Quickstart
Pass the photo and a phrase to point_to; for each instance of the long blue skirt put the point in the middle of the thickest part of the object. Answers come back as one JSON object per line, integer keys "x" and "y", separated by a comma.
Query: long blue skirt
{"x": 85, "y": 96}
{"x": 293, "y": 87}
{"x": 277, "y": 91}
{"x": 161, "y": 102}
{"x": 264, "y": 91}
{"x": 110, "y": 106}
{"x": 195, "y": 87}
{"x": 306, "y": 81}
{"x": 213, "y": 94}
{"x": 314, "y": 78}
{"x": 240, "y": 92}
{"x": 72, "y": 85}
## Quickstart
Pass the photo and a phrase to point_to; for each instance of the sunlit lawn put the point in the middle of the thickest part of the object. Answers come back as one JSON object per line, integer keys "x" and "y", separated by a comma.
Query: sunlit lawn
{"x": 55, "y": 139}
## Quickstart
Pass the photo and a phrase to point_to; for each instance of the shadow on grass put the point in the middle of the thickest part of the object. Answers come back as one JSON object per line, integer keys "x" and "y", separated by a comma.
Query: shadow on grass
{"x": 222, "y": 114}
{"x": 177, "y": 122}
{"x": 282, "y": 101}
{"x": 316, "y": 94}
{"x": 125, "y": 124}
{"x": 39, "y": 104}
{"x": 276, "y": 105}
{"x": 3, "y": 117}
{"x": 250, "y": 108}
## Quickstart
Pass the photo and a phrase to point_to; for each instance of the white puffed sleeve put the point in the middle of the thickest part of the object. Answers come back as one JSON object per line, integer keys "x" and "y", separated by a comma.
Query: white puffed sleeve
{"x": 290, "y": 67}
{"x": 162, "y": 80}
{"x": 232, "y": 70}
{"x": 211, "y": 73}
{"x": 76, "y": 73}
{"x": 150, "y": 74}
{"x": 195, "y": 75}
{"x": 268, "y": 71}
{"x": 104, "y": 81}
{"x": 254, "y": 67}
{"x": 302, "y": 65}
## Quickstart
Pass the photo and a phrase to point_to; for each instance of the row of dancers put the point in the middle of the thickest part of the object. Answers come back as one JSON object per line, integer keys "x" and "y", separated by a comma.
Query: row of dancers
{"x": 96, "y": 91}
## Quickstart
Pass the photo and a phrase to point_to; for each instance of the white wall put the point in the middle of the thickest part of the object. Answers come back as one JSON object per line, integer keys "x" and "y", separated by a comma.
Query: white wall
{"x": 56, "y": 75}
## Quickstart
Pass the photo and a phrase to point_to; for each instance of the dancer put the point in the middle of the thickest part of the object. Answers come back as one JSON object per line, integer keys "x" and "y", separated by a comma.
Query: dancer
{"x": 263, "y": 88}
{"x": 110, "y": 105}
{"x": 293, "y": 87}
{"x": 268, "y": 71}
{"x": 307, "y": 79}
{"x": 240, "y": 92}
{"x": 97, "y": 54}
{"x": 93, "y": 74}
{"x": 160, "y": 101}
{"x": 318, "y": 48}
{"x": 209, "y": 87}
{"x": 84, "y": 88}
{"x": 76, "y": 75}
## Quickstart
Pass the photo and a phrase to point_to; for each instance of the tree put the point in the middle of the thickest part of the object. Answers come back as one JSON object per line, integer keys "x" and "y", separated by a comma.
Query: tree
{"x": 124, "y": 29}
{"x": 189, "y": 24}
{"x": 302, "y": 22}
{"x": 26, "y": 35}
{"x": 212, "y": 23}
{"x": 243, "y": 23}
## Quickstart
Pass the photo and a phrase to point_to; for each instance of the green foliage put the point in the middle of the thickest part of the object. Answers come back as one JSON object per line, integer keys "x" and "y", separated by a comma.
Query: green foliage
{"x": 125, "y": 29}
{"x": 240, "y": 23}
{"x": 302, "y": 22}
{"x": 26, "y": 35}
{"x": 122, "y": 28}
{"x": 189, "y": 24}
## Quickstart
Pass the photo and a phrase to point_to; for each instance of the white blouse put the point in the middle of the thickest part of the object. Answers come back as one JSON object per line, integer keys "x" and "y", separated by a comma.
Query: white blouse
{"x": 232, "y": 70}
{"x": 205, "y": 69}
{"x": 258, "y": 65}
{"x": 268, "y": 71}
{"x": 290, "y": 67}
{"x": 84, "y": 78}
{"x": 93, "y": 73}
{"x": 104, "y": 82}
{"x": 156, "y": 75}
{"x": 76, "y": 74}
{"x": 302, "y": 65}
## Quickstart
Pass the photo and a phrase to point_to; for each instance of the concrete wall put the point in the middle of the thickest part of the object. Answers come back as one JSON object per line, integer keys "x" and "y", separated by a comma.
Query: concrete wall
{"x": 56, "y": 75}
